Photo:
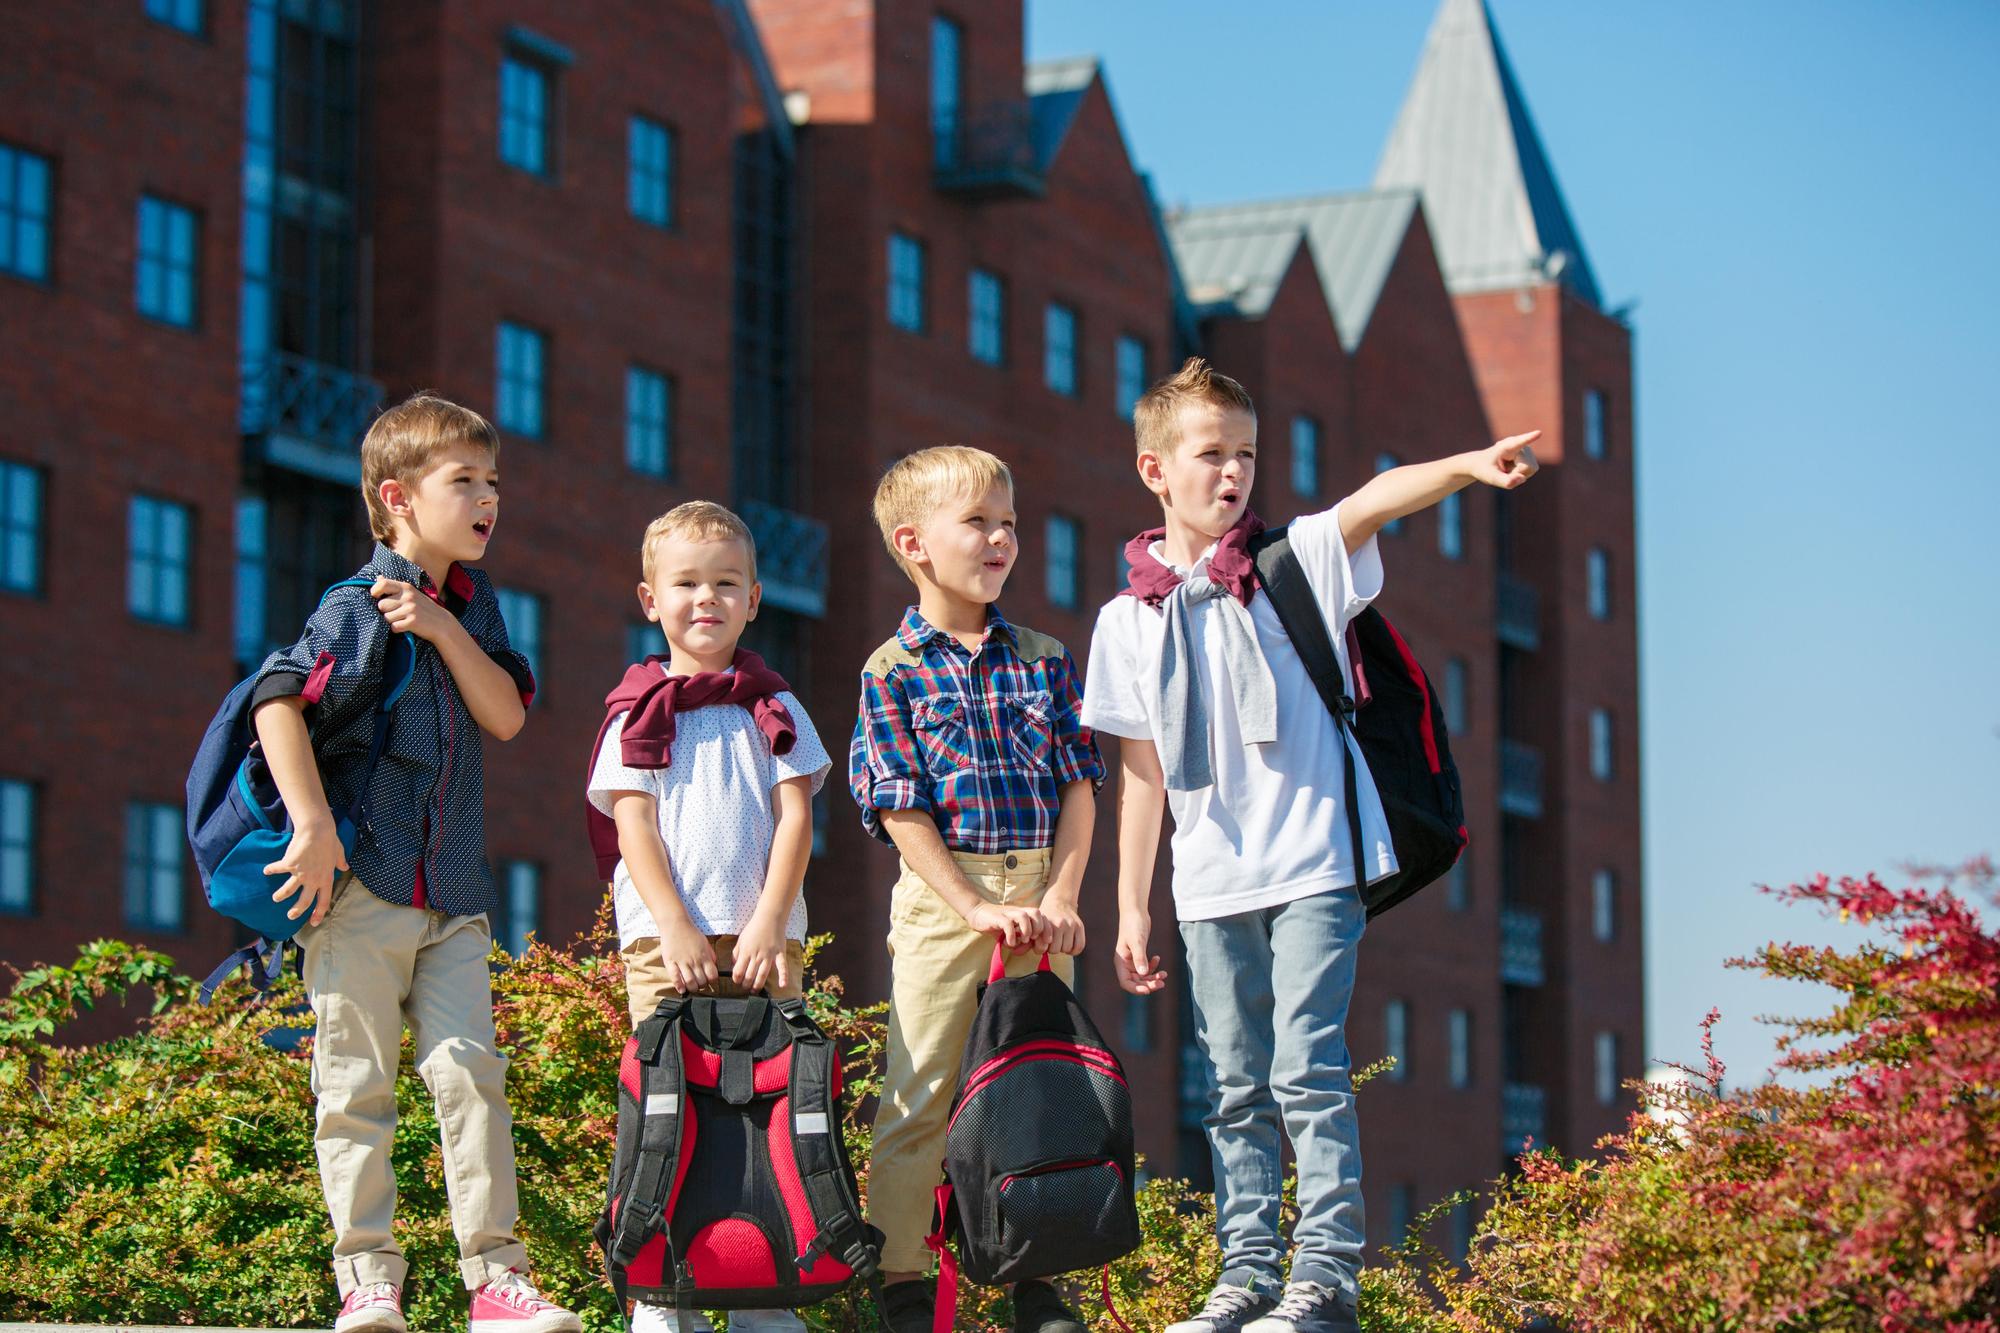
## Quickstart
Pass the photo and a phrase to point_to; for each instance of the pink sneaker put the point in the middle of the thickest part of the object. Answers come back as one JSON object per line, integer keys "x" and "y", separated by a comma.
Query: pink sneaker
{"x": 510, "y": 1304}
{"x": 375, "y": 1308}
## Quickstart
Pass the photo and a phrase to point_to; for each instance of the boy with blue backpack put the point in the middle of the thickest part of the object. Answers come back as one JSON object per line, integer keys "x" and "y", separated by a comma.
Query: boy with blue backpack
{"x": 396, "y": 906}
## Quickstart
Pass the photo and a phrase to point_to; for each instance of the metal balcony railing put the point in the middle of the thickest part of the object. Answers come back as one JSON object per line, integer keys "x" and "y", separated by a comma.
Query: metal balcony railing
{"x": 1520, "y": 779}
{"x": 1520, "y": 947}
{"x": 306, "y": 415}
{"x": 1517, "y": 613}
{"x": 988, "y": 151}
{"x": 791, "y": 557}
{"x": 1524, "y": 1110}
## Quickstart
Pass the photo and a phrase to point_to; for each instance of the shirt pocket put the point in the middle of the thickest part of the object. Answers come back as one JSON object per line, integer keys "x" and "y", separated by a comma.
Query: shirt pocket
{"x": 1031, "y": 729}
{"x": 944, "y": 735}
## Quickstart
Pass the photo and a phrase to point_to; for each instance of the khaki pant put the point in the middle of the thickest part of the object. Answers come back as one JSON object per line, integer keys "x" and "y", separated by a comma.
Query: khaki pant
{"x": 936, "y": 964}
{"x": 646, "y": 982}
{"x": 371, "y": 967}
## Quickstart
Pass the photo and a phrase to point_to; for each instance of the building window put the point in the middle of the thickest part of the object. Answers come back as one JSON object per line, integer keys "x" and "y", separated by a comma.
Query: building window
{"x": 160, "y": 536}
{"x": 153, "y": 839}
{"x": 986, "y": 327}
{"x": 526, "y": 100}
{"x": 1593, "y": 423}
{"x": 522, "y": 614}
{"x": 25, "y": 200}
{"x": 520, "y": 401}
{"x": 20, "y": 527}
{"x": 947, "y": 90}
{"x": 1602, "y": 745}
{"x": 1461, "y": 1229}
{"x": 1138, "y": 1024}
{"x": 643, "y": 639}
{"x": 648, "y": 422}
{"x": 169, "y": 249}
{"x": 17, "y": 847}
{"x": 1604, "y": 905}
{"x": 649, "y": 171}
{"x": 1457, "y": 692}
{"x": 1064, "y": 539}
{"x": 1396, "y": 1039}
{"x": 1131, "y": 374}
{"x": 1059, "y": 349}
{"x": 252, "y": 551}
{"x": 1460, "y": 1025}
{"x": 906, "y": 282}
{"x": 1458, "y": 883}
{"x": 1607, "y": 1068}
{"x": 520, "y": 905}
{"x": 1305, "y": 456}
{"x": 1402, "y": 1211}
{"x": 1597, "y": 580}
{"x": 187, "y": 15}
{"x": 1124, "y": 567}
{"x": 1384, "y": 463}
{"x": 1451, "y": 526}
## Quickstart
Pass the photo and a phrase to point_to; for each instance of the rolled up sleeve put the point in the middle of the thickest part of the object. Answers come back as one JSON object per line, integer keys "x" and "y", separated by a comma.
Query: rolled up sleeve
{"x": 1074, "y": 757}
{"x": 885, "y": 769}
{"x": 488, "y": 629}
{"x": 336, "y": 663}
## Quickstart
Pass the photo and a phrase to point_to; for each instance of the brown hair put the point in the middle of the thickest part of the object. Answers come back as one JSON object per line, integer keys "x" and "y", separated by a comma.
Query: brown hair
{"x": 1156, "y": 417}
{"x": 405, "y": 442}
{"x": 698, "y": 521}
{"x": 919, "y": 484}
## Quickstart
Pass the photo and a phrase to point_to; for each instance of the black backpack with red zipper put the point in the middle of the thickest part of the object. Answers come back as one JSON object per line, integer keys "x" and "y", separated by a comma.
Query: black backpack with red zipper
{"x": 1394, "y": 716}
{"x": 1038, "y": 1156}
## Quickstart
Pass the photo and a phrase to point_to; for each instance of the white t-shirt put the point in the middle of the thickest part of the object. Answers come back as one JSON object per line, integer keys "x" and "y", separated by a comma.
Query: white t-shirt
{"x": 715, "y": 813}
{"x": 1270, "y": 829}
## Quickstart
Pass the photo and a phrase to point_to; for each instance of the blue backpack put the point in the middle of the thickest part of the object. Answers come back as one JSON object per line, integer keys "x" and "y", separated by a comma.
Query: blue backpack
{"x": 237, "y": 825}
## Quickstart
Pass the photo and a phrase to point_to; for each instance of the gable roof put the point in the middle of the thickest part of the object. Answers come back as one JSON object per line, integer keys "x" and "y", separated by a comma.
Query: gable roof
{"x": 1235, "y": 255}
{"x": 1055, "y": 90}
{"x": 1465, "y": 139}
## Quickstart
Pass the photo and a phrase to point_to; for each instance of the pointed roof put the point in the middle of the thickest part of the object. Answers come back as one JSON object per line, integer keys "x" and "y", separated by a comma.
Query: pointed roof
{"x": 1055, "y": 91}
{"x": 1235, "y": 255}
{"x": 1465, "y": 139}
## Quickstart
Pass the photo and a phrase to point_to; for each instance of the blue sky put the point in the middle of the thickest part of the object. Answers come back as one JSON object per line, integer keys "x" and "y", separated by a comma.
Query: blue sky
{"x": 1804, "y": 200}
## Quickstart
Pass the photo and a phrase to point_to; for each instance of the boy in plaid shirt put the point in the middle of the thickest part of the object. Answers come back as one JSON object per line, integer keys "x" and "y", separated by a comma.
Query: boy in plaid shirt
{"x": 968, "y": 756}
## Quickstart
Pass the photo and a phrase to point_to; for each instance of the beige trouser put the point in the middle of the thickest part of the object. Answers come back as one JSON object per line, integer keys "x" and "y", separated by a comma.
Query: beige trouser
{"x": 370, "y": 967}
{"x": 936, "y": 963}
{"x": 646, "y": 982}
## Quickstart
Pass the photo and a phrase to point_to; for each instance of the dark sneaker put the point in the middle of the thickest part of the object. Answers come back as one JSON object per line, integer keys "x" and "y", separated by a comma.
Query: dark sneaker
{"x": 1038, "y": 1309}
{"x": 1229, "y": 1308}
{"x": 1308, "y": 1307}
{"x": 909, "y": 1307}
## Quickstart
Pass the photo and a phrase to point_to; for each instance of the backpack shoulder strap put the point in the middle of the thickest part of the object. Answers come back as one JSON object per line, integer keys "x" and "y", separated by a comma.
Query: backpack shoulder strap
{"x": 815, "y": 1144}
{"x": 662, "y": 1110}
{"x": 1283, "y": 579}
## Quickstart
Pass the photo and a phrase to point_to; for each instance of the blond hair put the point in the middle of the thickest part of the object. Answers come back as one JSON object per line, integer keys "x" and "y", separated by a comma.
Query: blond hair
{"x": 697, "y": 521}
{"x": 1156, "y": 417}
{"x": 923, "y": 482}
{"x": 406, "y": 441}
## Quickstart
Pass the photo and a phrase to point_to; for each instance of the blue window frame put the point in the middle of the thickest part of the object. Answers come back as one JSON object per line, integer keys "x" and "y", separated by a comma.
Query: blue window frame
{"x": 649, "y": 171}
{"x": 520, "y": 912}
{"x": 649, "y": 403}
{"x": 1059, "y": 348}
{"x": 26, "y": 201}
{"x": 1383, "y": 463}
{"x": 153, "y": 891}
{"x": 643, "y": 639}
{"x": 1451, "y": 526}
{"x": 1305, "y": 456}
{"x": 1594, "y": 443}
{"x": 252, "y": 549}
{"x": 190, "y": 16}
{"x": 947, "y": 90}
{"x": 907, "y": 278}
{"x": 169, "y": 261}
{"x": 1131, "y": 374}
{"x": 526, "y": 97}
{"x": 20, "y": 527}
{"x": 1064, "y": 540}
{"x": 986, "y": 326}
{"x": 160, "y": 535}
{"x": 1597, "y": 581}
{"x": 520, "y": 399}
{"x": 17, "y": 847}
{"x": 523, "y": 614}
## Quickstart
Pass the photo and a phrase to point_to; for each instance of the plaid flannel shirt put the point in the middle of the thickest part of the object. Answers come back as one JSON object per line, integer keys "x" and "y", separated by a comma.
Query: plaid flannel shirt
{"x": 983, "y": 740}
{"x": 425, "y": 841}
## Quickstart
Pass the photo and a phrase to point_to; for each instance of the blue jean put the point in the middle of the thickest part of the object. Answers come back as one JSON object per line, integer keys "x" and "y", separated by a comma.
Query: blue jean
{"x": 1271, "y": 990}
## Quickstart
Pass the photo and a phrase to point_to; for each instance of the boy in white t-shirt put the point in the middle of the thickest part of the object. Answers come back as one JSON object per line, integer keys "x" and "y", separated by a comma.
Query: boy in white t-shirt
{"x": 701, "y": 787}
{"x": 1219, "y": 721}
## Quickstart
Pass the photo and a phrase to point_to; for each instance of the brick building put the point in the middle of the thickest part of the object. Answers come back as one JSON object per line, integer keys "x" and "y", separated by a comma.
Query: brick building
{"x": 755, "y": 250}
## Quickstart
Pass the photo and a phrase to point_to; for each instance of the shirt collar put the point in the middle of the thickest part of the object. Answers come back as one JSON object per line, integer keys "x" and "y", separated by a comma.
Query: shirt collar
{"x": 394, "y": 565}
{"x": 1159, "y": 550}
{"x": 915, "y": 631}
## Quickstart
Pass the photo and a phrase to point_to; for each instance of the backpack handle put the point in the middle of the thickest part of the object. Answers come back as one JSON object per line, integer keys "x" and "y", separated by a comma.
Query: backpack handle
{"x": 998, "y": 971}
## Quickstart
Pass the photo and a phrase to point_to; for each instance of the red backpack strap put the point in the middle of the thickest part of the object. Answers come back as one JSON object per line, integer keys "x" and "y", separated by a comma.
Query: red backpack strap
{"x": 646, "y": 1207}
{"x": 998, "y": 971}
{"x": 946, "y": 1310}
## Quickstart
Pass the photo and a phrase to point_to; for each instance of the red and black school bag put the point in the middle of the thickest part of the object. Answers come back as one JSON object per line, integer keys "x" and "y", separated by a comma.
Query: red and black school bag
{"x": 1038, "y": 1150}
{"x": 1394, "y": 716}
{"x": 731, "y": 1186}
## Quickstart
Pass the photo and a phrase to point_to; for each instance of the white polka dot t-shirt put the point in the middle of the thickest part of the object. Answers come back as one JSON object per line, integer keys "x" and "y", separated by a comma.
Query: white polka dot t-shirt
{"x": 715, "y": 813}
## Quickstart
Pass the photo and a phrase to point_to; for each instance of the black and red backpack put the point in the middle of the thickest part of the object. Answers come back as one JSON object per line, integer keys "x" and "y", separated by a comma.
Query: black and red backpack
{"x": 1038, "y": 1150}
{"x": 1394, "y": 716}
{"x": 731, "y": 1186}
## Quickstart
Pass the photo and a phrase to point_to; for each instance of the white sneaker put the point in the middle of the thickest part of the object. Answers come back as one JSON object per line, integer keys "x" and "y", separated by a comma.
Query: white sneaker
{"x": 766, "y": 1321}
{"x": 1309, "y": 1307}
{"x": 375, "y": 1308}
{"x": 1229, "y": 1309}
{"x": 660, "y": 1319}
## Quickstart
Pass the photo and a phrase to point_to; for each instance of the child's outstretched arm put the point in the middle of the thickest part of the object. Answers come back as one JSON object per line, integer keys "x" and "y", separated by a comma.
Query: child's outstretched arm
{"x": 314, "y": 854}
{"x": 1400, "y": 491}
{"x": 1142, "y": 804}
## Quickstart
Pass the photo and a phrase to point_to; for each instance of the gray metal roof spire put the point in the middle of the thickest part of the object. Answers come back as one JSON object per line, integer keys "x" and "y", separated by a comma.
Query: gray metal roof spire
{"x": 1464, "y": 138}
